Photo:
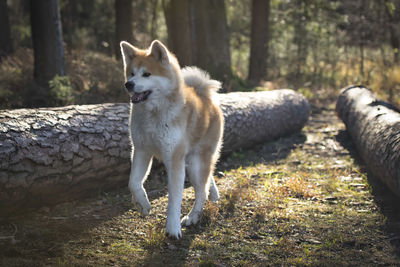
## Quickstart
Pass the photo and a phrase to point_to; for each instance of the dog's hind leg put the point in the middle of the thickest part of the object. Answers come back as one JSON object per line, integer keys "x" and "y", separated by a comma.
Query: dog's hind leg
{"x": 214, "y": 194}
{"x": 141, "y": 164}
{"x": 199, "y": 170}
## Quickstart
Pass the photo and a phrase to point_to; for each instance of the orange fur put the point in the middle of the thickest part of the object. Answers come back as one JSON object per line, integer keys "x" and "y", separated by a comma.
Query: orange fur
{"x": 179, "y": 123}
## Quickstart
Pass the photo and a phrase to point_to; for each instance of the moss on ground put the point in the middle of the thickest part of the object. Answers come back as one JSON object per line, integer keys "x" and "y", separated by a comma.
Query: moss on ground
{"x": 302, "y": 200}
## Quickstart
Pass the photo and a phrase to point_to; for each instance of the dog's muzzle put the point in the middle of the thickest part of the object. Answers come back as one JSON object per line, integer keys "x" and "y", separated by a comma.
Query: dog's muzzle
{"x": 136, "y": 97}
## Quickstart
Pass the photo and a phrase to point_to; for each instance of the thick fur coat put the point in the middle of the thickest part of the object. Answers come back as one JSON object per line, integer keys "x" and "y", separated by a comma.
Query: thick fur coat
{"x": 175, "y": 118}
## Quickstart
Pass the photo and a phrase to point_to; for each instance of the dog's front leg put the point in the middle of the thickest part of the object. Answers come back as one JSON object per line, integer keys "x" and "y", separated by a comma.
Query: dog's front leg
{"x": 141, "y": 164}
{"x": 176, "y": 178}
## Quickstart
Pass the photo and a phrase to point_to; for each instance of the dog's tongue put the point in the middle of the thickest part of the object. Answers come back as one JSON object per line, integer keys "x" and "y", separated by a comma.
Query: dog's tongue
{"x": 137, "y": 97}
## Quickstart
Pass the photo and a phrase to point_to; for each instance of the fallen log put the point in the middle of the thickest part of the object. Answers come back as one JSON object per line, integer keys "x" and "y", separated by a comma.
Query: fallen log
{"x": 49, "y": 155}
{"x": 374, "y": 127}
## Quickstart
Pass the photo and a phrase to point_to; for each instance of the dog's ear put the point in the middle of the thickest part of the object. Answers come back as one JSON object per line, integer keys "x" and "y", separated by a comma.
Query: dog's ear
{"x": 159, "y": 51}
{"x": 128, "y": 52}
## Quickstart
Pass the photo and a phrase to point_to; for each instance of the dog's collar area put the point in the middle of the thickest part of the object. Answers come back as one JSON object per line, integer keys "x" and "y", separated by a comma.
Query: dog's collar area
{"x": 139, "y": 97}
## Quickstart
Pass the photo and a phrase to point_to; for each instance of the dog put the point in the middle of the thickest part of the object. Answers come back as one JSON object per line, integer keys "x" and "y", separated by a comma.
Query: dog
{"x": 176, "y": 118}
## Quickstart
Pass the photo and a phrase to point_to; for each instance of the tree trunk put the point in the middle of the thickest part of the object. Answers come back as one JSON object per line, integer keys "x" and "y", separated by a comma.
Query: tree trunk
{"x": 259, "y": 40}
{"x": 47, "y": 40}
{"x": 154, "y": 14}
{"x": 393, "y": 19}
{"x": 211, "y": 38}
{"x": 374, "y": 126}
{"x": 395, "y": 42}
{"x": 49, "y": 155}
{"x": 5, "y": 32}
{"x": 123, "y": 24}
{"x": 198, "y": 34}
{"x": 301, "y": 40}
{"x": 70, "y": 18}
{"x": 179, "y": 30}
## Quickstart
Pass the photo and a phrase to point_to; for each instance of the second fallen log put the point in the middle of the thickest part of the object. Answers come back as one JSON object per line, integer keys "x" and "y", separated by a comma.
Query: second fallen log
{"x": 374, "y": 127}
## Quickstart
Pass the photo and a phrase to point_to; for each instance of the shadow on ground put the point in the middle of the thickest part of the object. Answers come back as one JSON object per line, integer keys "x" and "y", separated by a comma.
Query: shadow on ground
{"x": 262, "y": 153}
{"x": 383, "y": 197}
{"x": 37, "y": 238}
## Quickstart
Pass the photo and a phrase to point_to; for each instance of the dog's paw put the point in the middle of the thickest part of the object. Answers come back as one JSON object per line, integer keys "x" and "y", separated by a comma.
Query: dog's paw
{"x": 214, "y": 196}
{"x": 191, "y": 219}
{"x": 142, "y": 204}
{"x": 176, "y": 235}
{"x": 173, "y": 231}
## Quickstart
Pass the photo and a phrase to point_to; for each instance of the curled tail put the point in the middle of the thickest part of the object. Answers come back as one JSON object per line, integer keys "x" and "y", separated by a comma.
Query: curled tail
{"x": 200, "y": 80}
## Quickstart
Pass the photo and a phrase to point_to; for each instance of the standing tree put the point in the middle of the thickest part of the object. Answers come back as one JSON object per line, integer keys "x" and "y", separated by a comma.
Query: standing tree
{"x": 211, "y": 38}
{"x": 259, "y": 40}
{"x": 179, "y": 29}
{"x": 392, "y": 9}
{"x": 300, "y": 38}
{"x": 5, "y": 33}
{"x": 363, "y": 27}
{"x": 47, "y": 40}
{"x": 123, "y": 23}
{"x": 198, "y": 34}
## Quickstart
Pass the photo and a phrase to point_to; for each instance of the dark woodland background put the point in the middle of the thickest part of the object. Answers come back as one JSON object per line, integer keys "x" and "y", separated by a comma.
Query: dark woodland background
{"x": 63, "y": 52}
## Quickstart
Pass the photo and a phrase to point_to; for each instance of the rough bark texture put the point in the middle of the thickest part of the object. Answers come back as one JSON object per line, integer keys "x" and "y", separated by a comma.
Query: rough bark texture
{"x": 53, "y": 154}
{"x": 374, "y": 126}
{"x": 251, "y": 118}
{"x": 47, "y": 40}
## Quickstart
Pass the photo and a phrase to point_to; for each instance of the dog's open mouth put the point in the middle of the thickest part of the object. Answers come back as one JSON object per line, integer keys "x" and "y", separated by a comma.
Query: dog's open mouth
{"x": 139, "y": 97}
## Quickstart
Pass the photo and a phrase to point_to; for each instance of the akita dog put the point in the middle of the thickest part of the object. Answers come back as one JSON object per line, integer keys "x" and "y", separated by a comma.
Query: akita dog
{"x": 175, "y": 118}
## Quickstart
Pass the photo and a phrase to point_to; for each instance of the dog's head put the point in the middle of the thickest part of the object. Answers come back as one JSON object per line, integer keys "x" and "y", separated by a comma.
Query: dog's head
{"x": 150, "y": 74}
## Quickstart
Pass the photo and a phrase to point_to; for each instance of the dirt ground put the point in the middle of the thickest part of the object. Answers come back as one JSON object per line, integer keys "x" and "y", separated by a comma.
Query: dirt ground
{"x": 303, "y": 200}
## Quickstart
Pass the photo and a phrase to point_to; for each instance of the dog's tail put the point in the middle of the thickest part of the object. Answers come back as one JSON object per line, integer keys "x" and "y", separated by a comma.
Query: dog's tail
{"x": 200, "y": 80}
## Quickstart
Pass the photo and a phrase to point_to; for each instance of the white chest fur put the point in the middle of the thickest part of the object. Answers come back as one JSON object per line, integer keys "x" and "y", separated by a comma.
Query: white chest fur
{"x": 155, "y": 132}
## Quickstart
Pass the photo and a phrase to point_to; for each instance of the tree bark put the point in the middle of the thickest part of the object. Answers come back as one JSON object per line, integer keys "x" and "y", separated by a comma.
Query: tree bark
{"x": 5, "y": 32}
{"x": 259, "y": 40}
{"x": 123, "y": 24}
{"x": 47, "y": 40}
{"x": 50, "y": 155}
{"x": 178, "y": 21}
{"x": 256, "y": 117}
{"x": 374, "y": 126}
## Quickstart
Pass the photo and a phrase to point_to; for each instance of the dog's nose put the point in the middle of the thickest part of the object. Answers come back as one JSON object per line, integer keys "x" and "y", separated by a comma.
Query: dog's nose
{"x": 129, "y": 86}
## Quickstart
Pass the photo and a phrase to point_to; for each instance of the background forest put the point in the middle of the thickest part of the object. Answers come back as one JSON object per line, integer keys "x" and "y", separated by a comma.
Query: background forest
{"x": 313, "y": 46}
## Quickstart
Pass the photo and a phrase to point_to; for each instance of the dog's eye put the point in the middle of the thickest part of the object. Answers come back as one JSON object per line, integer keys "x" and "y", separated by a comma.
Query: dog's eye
{"x": 132, "y": 74}
{"x": 146, "y": 74}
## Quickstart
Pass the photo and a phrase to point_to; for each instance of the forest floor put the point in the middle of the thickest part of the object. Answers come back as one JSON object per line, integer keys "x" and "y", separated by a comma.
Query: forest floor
{"x": 303, "y": 200}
